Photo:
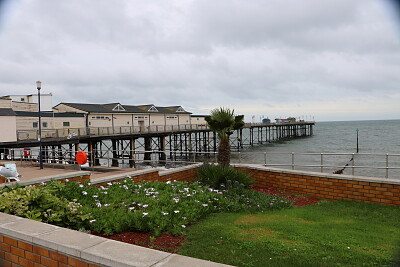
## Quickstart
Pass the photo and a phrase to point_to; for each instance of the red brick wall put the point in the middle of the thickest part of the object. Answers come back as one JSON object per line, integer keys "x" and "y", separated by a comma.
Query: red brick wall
{"x": 330, "y": 188}
{"x": 14, "y": 252}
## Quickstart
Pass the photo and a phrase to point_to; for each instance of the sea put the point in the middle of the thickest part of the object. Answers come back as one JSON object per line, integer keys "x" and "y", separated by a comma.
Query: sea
{"x": 378, "y": 148}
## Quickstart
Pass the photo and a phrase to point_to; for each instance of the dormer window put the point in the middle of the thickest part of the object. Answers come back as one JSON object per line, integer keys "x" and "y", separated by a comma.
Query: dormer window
{"x": 180, "y": 109}
{"x": 118, "y": 108}
{"x": 153, "y": 109}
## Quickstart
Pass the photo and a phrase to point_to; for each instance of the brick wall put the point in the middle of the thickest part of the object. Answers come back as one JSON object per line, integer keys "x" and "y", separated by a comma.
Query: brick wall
{"x": 14, "y": 252}
{"x": 365, "y": 189}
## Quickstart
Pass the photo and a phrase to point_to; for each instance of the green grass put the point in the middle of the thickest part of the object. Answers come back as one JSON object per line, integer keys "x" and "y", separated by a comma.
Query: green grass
{"x": 338, "y": 233}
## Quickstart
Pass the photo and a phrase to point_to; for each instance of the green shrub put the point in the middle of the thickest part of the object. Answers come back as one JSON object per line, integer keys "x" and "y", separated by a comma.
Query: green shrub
{"x": 154, "y": 207}
{"x": 40, "y": 204}
{"x": 217, "y": 176}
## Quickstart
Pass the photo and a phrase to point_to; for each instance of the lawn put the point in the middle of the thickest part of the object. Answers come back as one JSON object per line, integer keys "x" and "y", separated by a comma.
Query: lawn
{"x": 335, "y": 233}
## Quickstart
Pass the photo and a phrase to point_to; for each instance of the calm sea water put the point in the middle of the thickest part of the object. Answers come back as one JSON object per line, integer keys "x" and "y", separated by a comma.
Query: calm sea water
{"x": 375, "y": 137}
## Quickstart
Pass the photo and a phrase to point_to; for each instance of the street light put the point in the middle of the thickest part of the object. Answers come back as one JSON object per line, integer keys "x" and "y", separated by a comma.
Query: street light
{"x": 39, "y": 86}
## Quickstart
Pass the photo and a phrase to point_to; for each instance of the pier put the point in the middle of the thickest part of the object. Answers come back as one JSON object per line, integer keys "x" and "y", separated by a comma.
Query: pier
{"x": 127, "y": 145}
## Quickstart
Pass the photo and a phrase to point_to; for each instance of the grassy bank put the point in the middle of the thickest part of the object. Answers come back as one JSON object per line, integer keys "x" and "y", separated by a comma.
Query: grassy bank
{"x": 339, "y": 233}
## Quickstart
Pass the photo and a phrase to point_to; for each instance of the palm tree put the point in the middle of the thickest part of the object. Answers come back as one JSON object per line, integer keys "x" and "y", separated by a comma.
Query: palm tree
{"x": 223, "y": 121}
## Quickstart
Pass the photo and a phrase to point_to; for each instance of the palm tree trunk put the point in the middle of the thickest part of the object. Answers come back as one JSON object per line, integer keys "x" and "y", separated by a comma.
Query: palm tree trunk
{"x": 224, "y": 152}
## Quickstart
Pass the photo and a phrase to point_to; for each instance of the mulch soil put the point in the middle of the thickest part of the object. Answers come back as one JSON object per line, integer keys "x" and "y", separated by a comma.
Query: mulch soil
{"x": 171, "y": 244}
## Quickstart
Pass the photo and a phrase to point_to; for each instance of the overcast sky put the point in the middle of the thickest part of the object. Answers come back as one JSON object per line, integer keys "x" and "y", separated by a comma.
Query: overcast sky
{"x": 330, "y": 59}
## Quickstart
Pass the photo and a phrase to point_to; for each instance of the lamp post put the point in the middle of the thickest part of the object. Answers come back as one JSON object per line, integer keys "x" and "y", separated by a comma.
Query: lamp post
{"x": 39, "y": 86}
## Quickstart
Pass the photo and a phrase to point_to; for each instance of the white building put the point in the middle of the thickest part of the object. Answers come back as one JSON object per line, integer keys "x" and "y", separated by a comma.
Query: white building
{"x": 46, "y": 100}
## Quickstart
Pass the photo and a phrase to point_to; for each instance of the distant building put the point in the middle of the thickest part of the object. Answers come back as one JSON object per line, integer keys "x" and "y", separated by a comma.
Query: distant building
{"x": 199, "y": 120}
{"x": 266, "y": 121}
{"x": 46, "y": 100}
{"x": 287, "y": 120}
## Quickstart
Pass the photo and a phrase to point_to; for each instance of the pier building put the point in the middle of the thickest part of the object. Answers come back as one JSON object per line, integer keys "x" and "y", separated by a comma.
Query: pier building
{"x": 122, "y": 133}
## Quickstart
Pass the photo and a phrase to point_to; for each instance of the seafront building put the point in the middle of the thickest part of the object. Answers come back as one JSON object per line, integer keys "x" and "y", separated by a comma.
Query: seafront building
{"x": 19, "y": 116}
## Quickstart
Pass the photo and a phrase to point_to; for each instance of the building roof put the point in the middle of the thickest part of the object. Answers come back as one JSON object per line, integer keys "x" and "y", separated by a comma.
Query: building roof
{"x": 7, "y": 112}
{"x": 119, "y": 108}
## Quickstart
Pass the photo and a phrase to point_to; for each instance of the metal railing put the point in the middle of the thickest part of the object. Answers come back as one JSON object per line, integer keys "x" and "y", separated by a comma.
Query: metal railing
{"x": 25, "y": 135}
{"x": 365, "y": 164}
{"x": 323, "y": 163}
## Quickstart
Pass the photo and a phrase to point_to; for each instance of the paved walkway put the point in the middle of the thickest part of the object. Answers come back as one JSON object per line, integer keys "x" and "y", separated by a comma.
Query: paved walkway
{"x": 31, "y": 171}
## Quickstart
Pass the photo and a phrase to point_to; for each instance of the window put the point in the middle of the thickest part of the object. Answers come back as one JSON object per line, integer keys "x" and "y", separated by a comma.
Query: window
{"x": 180, "y": 109}
{"x": 172, "y": 117}
{"x": 44, "y": 124}
{"x": 141, "y": 117}
{"x": 35, "y": 125}
{"x": 66, "y": 123}
{"x": 22, "y": 99}
{"x": 127, "y": 122}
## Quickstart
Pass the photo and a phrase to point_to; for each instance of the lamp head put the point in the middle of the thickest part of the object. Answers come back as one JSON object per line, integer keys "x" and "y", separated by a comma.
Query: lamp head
{"x": 38, "y": 85}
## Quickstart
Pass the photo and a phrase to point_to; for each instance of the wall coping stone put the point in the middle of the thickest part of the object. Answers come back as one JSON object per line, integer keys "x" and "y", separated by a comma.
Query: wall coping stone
{"x": 322, "y": 175}
{"x": 49, "y": 178}
{"x": 120, "y": 176}
{"x": 94, "y": 249}
{"x": 179, "y": 169}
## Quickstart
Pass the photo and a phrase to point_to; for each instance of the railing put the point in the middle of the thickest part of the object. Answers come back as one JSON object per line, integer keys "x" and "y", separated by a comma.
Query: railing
{"x": 24, "y": 135}
{"x": 364, "y": 164}
{"x": 328, "y": 162}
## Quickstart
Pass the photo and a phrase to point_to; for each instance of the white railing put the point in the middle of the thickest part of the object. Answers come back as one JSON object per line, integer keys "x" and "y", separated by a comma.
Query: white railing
{"x": 25, "y": 135}
{"x": 363, "y": 164}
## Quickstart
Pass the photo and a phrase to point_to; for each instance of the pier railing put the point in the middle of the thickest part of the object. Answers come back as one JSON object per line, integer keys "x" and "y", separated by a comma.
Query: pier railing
{"x": 24, "y": 135}
{"x": 361, "y": 164}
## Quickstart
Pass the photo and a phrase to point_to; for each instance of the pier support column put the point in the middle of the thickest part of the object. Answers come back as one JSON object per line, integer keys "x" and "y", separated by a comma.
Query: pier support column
{"x": 147, "y": 148}
{"x": 114, "y": 160}
{"x": 132, "y": 162}
{"x": 162, "y": 155}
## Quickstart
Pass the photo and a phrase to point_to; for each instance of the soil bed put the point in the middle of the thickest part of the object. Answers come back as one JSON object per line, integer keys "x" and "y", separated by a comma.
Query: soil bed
{"x": 171, "y": 244}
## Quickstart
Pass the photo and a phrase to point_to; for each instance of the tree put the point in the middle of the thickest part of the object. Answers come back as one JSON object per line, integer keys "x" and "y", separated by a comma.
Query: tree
{"x": 223, "y": 121}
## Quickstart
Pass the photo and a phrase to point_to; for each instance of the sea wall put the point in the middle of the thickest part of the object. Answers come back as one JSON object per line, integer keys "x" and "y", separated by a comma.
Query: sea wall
{"x": 329, "y": 186}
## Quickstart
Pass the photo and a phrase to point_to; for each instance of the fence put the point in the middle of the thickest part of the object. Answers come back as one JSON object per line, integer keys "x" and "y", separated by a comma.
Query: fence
{"x": 362, "y": 164}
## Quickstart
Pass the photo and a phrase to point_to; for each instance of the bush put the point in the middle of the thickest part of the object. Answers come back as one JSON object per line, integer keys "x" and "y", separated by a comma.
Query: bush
{"x": 40, "y": 204}
{"x": 217, "y": 176}
{"x": 154, "y": 207}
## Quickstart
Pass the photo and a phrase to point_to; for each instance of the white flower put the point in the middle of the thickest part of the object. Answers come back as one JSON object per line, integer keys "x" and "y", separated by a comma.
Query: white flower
{"x": 81, "y": 185}
{"x": 106, "y": 205}
{"x": 204, "y": 205}
{"x": 95, "y": 196}
{"x": 89, "y": 183}
{"x": 131, "y": 208}
{"x": 176, "y": 211}
{"x": 145, "y": 205}
{"x": 84, "y": 193}
{"x": 168, "y": 182}
{"x": 145, "y": 214}
{"x": 92, "y": 221}
{"x": 183, "y": 226}
{"x": 66, "y": 180}
{"x": 164, "y": 213}
{"x": 109, "y": 183}
{"x": 98, "y": 204}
